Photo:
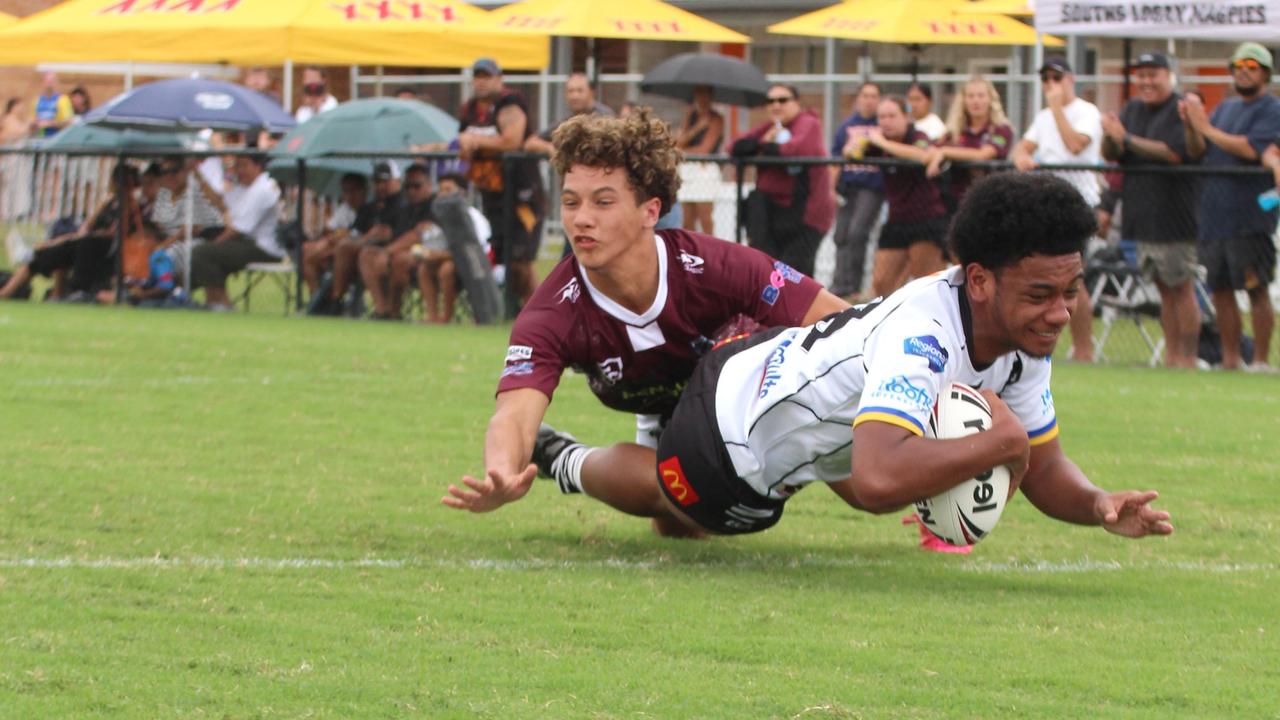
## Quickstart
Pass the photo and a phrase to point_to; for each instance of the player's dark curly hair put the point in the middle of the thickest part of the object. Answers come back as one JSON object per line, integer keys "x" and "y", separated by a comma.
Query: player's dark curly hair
{"x": 640, "y": 145}
{"x": 1009, "y": 216}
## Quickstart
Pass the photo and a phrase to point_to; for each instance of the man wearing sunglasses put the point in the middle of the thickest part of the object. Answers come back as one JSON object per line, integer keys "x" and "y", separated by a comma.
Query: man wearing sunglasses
{"x": 315, "y": 95}
{"x": 1236, "y": 245}
{"x": 1067, "y": 131}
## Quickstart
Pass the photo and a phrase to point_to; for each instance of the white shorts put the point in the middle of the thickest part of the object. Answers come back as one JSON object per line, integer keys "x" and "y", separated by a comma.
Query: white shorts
{"x": 648, "y": 429}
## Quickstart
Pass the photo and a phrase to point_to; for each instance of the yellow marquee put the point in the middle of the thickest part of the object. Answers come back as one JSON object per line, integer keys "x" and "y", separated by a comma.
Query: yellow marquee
{"x": 442, "y": 33}
{"x": 624, "y": 19}
{"x": 931, "y": 22}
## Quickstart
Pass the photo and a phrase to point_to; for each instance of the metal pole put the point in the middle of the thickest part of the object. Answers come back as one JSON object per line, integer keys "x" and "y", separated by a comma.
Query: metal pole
{"x": 128, "y": 77}
{"x": 297, "y": 252}
{"x": 829, "y": 87}
{"x": 122, "y": 201}
{"x": 738, "y": 169}
{"x": 286, "y": 97}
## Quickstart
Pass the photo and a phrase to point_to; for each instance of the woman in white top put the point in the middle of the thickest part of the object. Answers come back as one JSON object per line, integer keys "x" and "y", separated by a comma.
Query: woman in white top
{"x": 920, "y": 103}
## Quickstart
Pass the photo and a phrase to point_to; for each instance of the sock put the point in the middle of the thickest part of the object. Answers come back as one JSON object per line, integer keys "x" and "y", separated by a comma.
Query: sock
{"x": 567, "y": 467}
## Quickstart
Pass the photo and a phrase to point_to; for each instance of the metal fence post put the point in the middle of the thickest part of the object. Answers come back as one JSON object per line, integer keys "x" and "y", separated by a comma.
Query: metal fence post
{"x": 739, "y": 167}
{"x": 122, "y": 202}
{"x": 509, "y": 220}
{"x": 297, "y": 252}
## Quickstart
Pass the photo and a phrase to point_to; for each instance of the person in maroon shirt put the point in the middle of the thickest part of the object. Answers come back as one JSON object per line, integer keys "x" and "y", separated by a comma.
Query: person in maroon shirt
{"x": 792, "y": 207}
{"x": 977, "y": 129}
{"x": 911, "y": 242}
{"x": 633, "y": 310}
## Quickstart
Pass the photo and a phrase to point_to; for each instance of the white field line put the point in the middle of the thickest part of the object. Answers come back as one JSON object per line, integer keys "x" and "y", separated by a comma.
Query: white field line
{"x": 1033, "y": 567}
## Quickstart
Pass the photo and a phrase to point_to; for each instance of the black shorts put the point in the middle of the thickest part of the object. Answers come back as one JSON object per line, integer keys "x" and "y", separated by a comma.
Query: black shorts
{"x": 521, "y": 234}
{"x": 695, "y": 471}
{"x": 1241, "y": 262}
{"x": 902, "y": 235}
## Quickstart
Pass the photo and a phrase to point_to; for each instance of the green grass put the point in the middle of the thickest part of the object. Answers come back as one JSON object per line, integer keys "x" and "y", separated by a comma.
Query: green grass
{"x": 231, "y": 516}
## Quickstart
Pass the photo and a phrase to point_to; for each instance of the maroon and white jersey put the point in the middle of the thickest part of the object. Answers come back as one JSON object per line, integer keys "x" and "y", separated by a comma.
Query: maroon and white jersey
{"x": 641, "y": 363}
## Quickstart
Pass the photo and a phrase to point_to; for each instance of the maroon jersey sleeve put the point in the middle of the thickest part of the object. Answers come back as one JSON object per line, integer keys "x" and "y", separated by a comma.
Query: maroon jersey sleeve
{"x": 537, "y": 353}
{"x": 747, "y": 281}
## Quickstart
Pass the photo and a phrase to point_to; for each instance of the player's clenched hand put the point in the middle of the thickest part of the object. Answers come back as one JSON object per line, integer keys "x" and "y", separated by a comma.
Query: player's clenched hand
{"x": 1130, "y": 514}
{"x": 492, "y": 491}
{"x": 1012, "y": 436}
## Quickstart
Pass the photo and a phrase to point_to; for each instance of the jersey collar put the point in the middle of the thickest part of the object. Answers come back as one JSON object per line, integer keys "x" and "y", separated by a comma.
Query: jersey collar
{"x": 621, "y": 313}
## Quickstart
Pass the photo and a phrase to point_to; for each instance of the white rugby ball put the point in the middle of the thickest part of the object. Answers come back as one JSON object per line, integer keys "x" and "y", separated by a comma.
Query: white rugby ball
{"x": 967, "y": 512}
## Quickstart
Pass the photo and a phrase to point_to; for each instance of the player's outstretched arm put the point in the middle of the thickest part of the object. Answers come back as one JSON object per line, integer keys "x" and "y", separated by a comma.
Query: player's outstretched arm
{"x": 508, "y": 446}
{"x": 1056, "y": 486}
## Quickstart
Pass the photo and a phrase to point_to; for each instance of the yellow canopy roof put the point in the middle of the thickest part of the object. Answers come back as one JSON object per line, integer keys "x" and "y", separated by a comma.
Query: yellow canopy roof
{"x": 930, "y": 22}
{"x": 1016, "y": 8}
{"x": 440, "y": 33}
{"x": 625, "y": 19}
{"x": 6, "y": 20}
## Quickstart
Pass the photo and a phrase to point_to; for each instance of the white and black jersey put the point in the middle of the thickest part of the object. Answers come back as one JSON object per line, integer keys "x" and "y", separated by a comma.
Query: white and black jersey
{"x": 785, "y": 408}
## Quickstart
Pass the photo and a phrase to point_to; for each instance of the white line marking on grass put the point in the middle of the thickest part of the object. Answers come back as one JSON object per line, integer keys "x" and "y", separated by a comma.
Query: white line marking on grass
{"x": 1034, "y": 567}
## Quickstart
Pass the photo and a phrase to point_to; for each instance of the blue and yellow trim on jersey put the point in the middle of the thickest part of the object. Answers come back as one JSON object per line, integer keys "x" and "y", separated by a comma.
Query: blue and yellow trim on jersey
{"x": 889, "y": 415}
{"x": 1044, "y": 434}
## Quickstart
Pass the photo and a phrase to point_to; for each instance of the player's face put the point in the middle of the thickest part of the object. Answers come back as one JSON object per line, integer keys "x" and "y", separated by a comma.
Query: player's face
{"x": 1034, "y": 299}
{"x": 601, "y": 216}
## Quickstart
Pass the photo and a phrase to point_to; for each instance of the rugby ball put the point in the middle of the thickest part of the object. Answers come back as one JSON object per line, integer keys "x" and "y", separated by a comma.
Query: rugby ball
{"x": 969, "y": 511}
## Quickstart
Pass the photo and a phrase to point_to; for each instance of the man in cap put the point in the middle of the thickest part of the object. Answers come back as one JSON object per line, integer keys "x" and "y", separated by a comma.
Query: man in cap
{"x": 1067, "y": 130}
{"x": 1158, "y": 210}
{"x": 496, "y": 120}
{"x": 1236, "y": 244}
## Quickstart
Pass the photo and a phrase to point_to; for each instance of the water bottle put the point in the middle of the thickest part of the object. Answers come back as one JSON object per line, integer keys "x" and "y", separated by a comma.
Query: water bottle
{"x": 1269, "y": 200}
{"x": 783, "y": 136}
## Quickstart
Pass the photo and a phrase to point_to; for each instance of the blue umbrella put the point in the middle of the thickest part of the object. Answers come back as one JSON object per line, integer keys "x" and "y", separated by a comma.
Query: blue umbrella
{"x": 193, "y": 103}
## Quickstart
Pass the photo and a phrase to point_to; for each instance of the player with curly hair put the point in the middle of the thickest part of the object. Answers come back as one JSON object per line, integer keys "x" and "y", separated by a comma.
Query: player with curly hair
{"x": 633, "y": 310}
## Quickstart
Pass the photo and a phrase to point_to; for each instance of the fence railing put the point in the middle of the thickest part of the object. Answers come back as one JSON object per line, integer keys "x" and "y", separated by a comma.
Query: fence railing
{"x": 38, "y": 187}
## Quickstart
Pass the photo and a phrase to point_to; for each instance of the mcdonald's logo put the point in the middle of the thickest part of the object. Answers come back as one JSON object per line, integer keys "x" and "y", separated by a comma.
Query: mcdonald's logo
{"x": 676, "y": 483}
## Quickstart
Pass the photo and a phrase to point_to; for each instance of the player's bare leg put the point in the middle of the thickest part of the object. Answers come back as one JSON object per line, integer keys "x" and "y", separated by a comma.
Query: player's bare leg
{"x": 622, "y": 476}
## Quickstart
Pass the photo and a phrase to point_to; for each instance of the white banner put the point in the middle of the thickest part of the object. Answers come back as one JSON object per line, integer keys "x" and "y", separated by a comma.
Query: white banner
{"x": 1204, "y": 20}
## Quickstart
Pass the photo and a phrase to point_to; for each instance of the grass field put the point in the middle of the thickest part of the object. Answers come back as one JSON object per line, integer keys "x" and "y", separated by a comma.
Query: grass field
{"x": 231, "y": 516}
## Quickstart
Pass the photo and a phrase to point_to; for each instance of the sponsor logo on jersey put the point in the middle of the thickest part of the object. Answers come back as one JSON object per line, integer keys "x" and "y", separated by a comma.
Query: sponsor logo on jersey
{"x": 611, "y": 368}
{"x": 692, "y": 263}
{"x": 570, "y": 292}
{"x": 773, "y": 368}
{"x": 674, "y": 480}
{"x": 519, "y": 352}
{"x": 901, "y": 390}
{"x": 927, "y": 347}
{"x": 781, "y": 275}
{"x": 998, "y": 140}
{"x": 518, "y": 368}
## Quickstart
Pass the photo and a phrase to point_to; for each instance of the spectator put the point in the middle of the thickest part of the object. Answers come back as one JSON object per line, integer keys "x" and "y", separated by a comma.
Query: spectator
{"x": 385, "y": 265}
{"x": 170, "y": 210}
{"x": 496, "y": 120}
{"x": 83, "y": 262}
{"x": 792, "y": 207}
{"x": 1236, "y": 243}
{"x": 912, "y": 241}
{"x": 81, "y": 104}
{"x": 920, "y": 103}
{"x": 1068, "y": 130}
{"x": 259, "y": 79}
{"x": 315, "y": 95}
{"x": 861, "y": 194}
{"x": 53, "y": 109}
{"x": 16, "y": 124}
{"x": 250, "y": 235}
{"x": 977, "y": 129}
{"x": 701, "y": 133}
{"x": 1159, "y": 215}
{"x": 580, "y": 98}
{"x": 437, "y": 272}
{"x": 372, "y": 225}
{"x": 406, "y": 93}
{"x": 317, "y": 255}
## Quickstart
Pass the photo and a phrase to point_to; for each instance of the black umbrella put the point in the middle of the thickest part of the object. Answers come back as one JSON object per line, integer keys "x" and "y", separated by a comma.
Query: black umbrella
{"x": 731, "y": 80}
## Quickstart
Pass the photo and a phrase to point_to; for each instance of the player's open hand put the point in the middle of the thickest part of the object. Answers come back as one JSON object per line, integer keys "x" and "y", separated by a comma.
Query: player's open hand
{"x": 1130, "y": 514}
{"x": 492, "y": 491}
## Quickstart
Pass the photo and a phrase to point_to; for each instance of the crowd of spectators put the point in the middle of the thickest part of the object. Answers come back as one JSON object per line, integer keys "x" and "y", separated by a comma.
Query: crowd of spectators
{"x": 380, "y": 237}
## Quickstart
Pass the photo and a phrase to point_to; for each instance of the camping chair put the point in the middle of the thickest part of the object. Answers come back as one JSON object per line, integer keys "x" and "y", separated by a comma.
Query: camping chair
{"x": 281, "y": 274}
{"x": 1120, "y": 294}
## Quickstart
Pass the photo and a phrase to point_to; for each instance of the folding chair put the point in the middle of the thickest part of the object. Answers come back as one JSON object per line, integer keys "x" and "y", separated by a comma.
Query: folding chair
{"x": 281, "y": 273}
{"x": 1120, "y": 293}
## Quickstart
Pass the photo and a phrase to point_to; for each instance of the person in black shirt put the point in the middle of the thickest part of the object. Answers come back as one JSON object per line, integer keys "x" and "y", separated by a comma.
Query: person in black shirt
{"x": 387, "y": 260}
{"x": 1159, "y": 209}
{"x": 373, "y": 222}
